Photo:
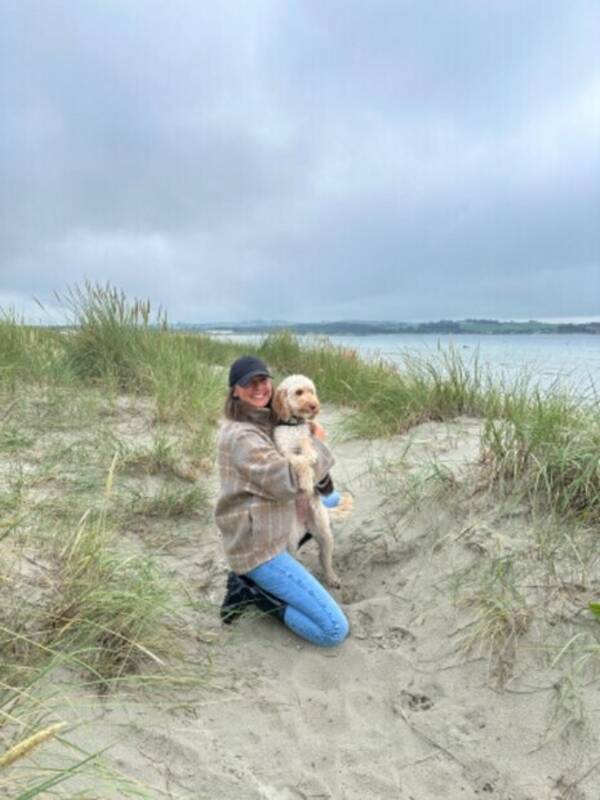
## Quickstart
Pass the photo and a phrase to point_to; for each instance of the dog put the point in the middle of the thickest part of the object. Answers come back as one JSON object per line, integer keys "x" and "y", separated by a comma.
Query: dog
{"x": 296, "y": 404}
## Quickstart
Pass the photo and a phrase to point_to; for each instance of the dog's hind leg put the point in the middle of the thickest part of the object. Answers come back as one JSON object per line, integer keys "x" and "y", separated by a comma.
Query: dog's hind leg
{"x": 321, "y": 530}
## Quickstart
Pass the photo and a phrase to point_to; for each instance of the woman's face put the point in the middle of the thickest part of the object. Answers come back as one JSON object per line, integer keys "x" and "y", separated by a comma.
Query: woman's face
{"x": 257, "y": 393}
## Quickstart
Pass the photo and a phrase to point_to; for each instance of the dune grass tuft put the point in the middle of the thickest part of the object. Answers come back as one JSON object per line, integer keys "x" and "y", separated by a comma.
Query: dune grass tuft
{"x": 109, "y": 337}
{"x": 28, "y": 353}
{"x": 110, "y": 608}
{"x": 550, "y": 447}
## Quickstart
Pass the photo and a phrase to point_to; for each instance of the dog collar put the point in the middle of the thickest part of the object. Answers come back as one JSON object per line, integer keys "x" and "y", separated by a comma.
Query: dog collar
{"x": 292, "y": 422}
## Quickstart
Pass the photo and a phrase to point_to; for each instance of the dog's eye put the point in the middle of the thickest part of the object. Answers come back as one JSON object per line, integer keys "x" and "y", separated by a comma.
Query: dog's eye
{"x": 299, "y": 392}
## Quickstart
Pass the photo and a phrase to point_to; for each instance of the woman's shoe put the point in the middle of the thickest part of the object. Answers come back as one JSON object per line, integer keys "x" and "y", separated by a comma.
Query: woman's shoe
{"x": 238, "y": 597}
{"x": 243, "y": 593}
{"x": 267, "y": 602}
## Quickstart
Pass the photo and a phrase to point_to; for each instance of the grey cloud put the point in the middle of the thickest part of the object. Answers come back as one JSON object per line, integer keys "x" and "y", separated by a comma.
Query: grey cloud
{"x": 304, "y": 160}
{"x": 478, "y": 64}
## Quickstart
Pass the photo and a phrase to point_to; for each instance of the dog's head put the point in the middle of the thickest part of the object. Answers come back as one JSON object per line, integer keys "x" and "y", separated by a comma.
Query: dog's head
{"x": 296, "y": 396}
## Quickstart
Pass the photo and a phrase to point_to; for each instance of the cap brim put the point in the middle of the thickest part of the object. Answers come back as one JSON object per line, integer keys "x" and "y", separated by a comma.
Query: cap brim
{"x": 247, "y": 378}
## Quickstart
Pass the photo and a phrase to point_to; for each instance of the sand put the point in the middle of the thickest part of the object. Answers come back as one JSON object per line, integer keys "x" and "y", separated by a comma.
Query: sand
{"x": 403, "y": 709}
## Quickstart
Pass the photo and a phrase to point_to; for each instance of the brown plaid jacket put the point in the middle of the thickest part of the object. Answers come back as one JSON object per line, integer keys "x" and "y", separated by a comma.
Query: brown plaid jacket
{"x": 256, "y": 509}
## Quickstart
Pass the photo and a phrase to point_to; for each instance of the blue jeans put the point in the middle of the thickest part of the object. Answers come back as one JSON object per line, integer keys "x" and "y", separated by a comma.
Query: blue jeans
{"x": 310, "y": 611}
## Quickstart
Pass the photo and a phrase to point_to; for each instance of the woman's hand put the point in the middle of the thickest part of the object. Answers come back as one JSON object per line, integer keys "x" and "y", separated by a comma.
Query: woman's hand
{"x": 318, "y": 431}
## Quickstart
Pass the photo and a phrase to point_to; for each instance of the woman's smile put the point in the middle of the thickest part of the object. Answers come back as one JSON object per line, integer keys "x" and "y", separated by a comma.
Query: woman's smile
{"x": 257, "y": 393}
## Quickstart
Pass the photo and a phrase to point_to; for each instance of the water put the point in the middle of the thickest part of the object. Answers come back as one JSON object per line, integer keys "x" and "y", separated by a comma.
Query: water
{"x": 571, "y": 361}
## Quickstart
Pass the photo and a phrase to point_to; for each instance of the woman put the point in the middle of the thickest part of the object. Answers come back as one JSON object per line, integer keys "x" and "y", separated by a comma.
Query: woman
{"x": 256, "y": 513}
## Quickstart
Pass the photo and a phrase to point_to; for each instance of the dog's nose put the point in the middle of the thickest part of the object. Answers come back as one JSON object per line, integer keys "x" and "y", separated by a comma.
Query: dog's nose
{"x": 314, "y": 407}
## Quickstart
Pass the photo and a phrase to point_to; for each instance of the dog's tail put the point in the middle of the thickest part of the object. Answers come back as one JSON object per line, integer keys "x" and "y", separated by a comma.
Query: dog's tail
{"x": 343, "y": 508}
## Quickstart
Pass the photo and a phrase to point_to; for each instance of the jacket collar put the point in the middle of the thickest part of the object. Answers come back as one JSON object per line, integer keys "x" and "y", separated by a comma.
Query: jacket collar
{"x": 261, "y": 417}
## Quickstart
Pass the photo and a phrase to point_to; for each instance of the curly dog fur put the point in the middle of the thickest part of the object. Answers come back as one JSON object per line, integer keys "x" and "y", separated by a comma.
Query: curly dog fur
{"x": 295, "y": 403}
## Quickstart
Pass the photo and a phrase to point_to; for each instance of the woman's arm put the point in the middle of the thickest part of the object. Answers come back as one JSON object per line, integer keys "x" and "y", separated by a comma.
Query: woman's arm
{"x": 257, "y": 462}
{"x": 261, "y": 466}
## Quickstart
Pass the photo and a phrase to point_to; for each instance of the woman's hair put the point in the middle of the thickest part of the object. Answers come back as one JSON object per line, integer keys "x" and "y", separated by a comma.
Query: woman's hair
{"x": 239, "y": 411}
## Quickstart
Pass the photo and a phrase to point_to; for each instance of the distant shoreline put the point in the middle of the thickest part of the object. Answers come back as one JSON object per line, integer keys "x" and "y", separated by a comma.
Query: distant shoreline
{"x": 349, "y": 328}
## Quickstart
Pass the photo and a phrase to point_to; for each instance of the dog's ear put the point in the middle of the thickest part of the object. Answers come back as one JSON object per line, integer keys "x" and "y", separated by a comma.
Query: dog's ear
{"x": 280, "y": 405}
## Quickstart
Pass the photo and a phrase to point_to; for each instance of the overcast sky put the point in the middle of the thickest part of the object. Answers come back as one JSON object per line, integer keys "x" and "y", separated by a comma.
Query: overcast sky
{"x": 303, "y": 160}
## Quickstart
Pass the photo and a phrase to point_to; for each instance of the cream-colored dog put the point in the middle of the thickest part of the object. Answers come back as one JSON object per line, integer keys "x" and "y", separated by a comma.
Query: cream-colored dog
{"x": 295, "y": 403}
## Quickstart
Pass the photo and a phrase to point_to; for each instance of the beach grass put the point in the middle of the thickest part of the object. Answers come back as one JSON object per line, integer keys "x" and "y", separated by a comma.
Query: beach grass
{"x": 112, "y": 420}
{"x": 548, "y": 445}
{"x": 81, "y": 594}
{"x": 543, "y": 444}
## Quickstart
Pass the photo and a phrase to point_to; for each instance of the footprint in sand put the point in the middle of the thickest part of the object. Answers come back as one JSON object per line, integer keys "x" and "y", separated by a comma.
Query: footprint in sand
{"x": 373, "y": 621}
{"x": 415, "y": 702}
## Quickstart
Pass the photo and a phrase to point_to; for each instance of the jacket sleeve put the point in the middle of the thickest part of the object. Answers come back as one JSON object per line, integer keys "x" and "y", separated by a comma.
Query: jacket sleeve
{"x": 264, "y": 470}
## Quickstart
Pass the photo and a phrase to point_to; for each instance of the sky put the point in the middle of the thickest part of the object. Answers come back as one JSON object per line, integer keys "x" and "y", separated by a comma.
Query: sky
{"x": 302, "y": 160}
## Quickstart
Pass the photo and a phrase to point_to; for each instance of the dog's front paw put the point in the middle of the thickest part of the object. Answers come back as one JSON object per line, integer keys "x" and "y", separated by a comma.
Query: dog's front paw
{"x": 306, "y": 483}
{"x": 305, "y": 475}
{"x": 308, "y": 451}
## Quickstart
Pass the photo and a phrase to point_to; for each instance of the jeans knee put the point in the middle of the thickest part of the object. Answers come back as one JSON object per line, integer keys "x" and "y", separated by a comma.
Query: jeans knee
{"x": 338, "y": 632}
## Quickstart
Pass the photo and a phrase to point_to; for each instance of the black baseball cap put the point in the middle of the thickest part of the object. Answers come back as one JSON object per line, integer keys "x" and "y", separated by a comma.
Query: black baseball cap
{"x": 245, "y": 368}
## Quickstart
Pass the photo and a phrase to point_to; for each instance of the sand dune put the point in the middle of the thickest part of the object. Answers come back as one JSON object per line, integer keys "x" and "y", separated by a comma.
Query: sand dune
{"x": 404, "y": 708}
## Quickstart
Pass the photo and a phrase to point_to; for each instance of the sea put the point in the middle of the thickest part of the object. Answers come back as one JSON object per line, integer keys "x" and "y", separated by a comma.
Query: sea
{"x": 550, "y": 361}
